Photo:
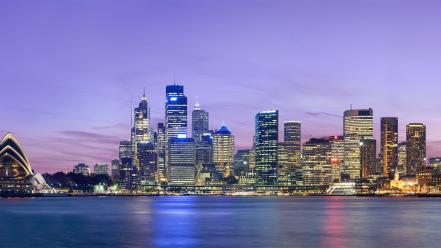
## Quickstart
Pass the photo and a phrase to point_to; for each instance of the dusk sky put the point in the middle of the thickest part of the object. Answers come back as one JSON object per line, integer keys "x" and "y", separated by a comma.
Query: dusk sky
{"x": 68, "y": 69}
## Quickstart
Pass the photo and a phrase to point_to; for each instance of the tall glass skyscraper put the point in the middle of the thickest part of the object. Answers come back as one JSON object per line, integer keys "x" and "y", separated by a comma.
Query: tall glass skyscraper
{"x": 415, "y": 147}
{"x": 182, "y": 161}
{"x": 389, "y": 145}
{"x": 357, "y": 126}
{"x": 199, "y": 122}
{"x": 160, "y": 148}
{"x": 266, "y": 142}
{"x": 175, "y": 117}
{"x": 125, "y": 158}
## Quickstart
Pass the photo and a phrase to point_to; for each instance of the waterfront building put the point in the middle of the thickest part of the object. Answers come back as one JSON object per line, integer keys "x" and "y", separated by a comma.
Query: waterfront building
{"x": 337, "y": 157}
{"x": 160, "y": 149}
{"x": 223, "y": 150}
{"x": 402, "y": 158}
{"x": 316, "y": 162}
{"x": 199, "y": 122}
{"x": 415, "y": 147}
{"x": 182, "y": 161}
{"x": 368, "y": 158}
{"x": 147, "y": 159}
{"x": 266, "y": 142}
{"x": 115, "y": 167}
{"x": 204, "y": 151}
{"x": 389, "y": 145}
{"x": 141, "y": 131}
{"x": 175, "y": 117}
{"x": 16, "y": 174}
{"x": 284, "y": 167}
{"x": 82, "y": 169}
{"x": 435, "y": 162}
{"x": 101, "y": 169}
{"x": 292, "y": 133}
{"x": 242, "y": 161}
{"x": 357, "y": 125}
{"x": 125, "y": 158}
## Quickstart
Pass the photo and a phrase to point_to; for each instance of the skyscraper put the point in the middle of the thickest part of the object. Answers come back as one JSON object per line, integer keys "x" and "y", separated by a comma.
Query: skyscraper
{"x": 316, "y": 162}
{"x": 368, "y": 158}
{"x": 389, "y": 145}
{"x": 223, "y": 150}
{"x": 199, "y": 122}
{"x": 160, "y": 149}
{"x": 415, "y": 147}
{"x": 337, "y": 156}
{"x": 402, "y": 158}
{"x": 175, "y": 117}
{"x": 291, "y": 150}
{"x": 147, "y": 159}
{"x": 125, "y": 157}
{"x": 266, "y": 141}
{"x": 182, "y": 160}
{"x": 141, "y": 131}
{"x": 357, "y": 125}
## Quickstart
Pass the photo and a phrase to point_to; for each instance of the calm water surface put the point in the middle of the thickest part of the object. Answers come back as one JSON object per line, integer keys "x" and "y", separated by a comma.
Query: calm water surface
{"x": 220, "y": 222}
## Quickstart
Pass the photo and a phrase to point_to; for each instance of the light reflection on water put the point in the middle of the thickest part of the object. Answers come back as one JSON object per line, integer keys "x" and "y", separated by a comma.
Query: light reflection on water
{"x": 220, "y": 222}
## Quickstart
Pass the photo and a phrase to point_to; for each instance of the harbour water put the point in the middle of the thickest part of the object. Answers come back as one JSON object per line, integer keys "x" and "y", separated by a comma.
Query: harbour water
{"x": 189, "y": 221}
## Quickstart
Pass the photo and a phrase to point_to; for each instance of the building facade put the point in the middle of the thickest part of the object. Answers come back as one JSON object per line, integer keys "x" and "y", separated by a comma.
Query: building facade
{"x": 357, "y": 125}
{"x": 223, "y": 150}
{"x": 266, "y": 147}
{"x": 316, "y": 162}
{"x": 101, "y": 169}
{"x": 415, "y": 147}
{"x": 182, "y": 161}
{"x": 368, "y": 158}
{"x": 389, "y": 145}
{"x": 199, "y": 122}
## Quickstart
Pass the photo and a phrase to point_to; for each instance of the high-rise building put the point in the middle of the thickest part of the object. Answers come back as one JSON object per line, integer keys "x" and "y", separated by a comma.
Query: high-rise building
{"x": 242, "y": 162}
{"x": 141, "y": 131}
{"x": 368, "y": 158}
{"x": 284, "y": 168}
{"x": 81, "y": 168}
{"x": 266, "y": 142}
{"x": 223, "y": 150}
{"x": 389, "y": 145}
{"x": 125, "y": 158}
{"x": 182, "y": 161}
{"x": 204, "y": 150}
{"x": 292, "y": 133}
{"x": 357, "y": 125}
{"x": 415, "y": 147}
{"x": 175, "y": 117}
{"x": 147, "y": 158}
{"x": 115, "y": 168}
{"x": 337, "y": 156}
{"x": 160, "y": 149}
{"x": 402, "y": 158}
{"x": 101, "y": 169}
{"x": 199, "y": 122}
{"x": 316, "y": 162}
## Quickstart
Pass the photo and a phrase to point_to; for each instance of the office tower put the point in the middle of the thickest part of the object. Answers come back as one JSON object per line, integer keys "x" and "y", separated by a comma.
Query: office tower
{"x": 241, "y": 162}
{"x": 141, "y": 131}
{"x": 368, "y": 158}
{"x": 266, "y": 141}
{"x": 125, "y": 158}
{"x": 293, "y": 142}
{"x": 223, "y": 150}
{"x": 402, "y": 158}
{"x": 147, "y": 159}
{"x": 284, "y": 168}
{"x": 160, "y": 149}
{"x": 357, "y": 125}
{"x": 182, "y": 160}
{"x": 204, "y": 150}
{"x": 101, "y": 169}
{"x": 175, "y": 117}
{"x": 316, "y": 162}
{"x": 115, "y": 167}
{"x": 82, "y": 169}
{"x": 337, "y": 156}
{"x": 415, "y": 147}
{"x": 435, "y": 162}
{"x": 389, "y": 145}
{"x": 199, "y": 122}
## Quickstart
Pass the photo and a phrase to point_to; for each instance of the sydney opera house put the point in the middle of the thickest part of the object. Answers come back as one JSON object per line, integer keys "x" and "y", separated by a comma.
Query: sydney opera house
{"x": 16, "y": 174}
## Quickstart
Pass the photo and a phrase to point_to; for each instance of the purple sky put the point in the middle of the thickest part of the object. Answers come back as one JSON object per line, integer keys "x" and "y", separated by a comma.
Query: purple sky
{"x": 69, "y": 68}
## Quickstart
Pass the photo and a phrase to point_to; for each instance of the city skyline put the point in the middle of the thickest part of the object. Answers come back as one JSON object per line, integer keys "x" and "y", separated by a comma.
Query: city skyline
{"x": 78, "y": 75}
